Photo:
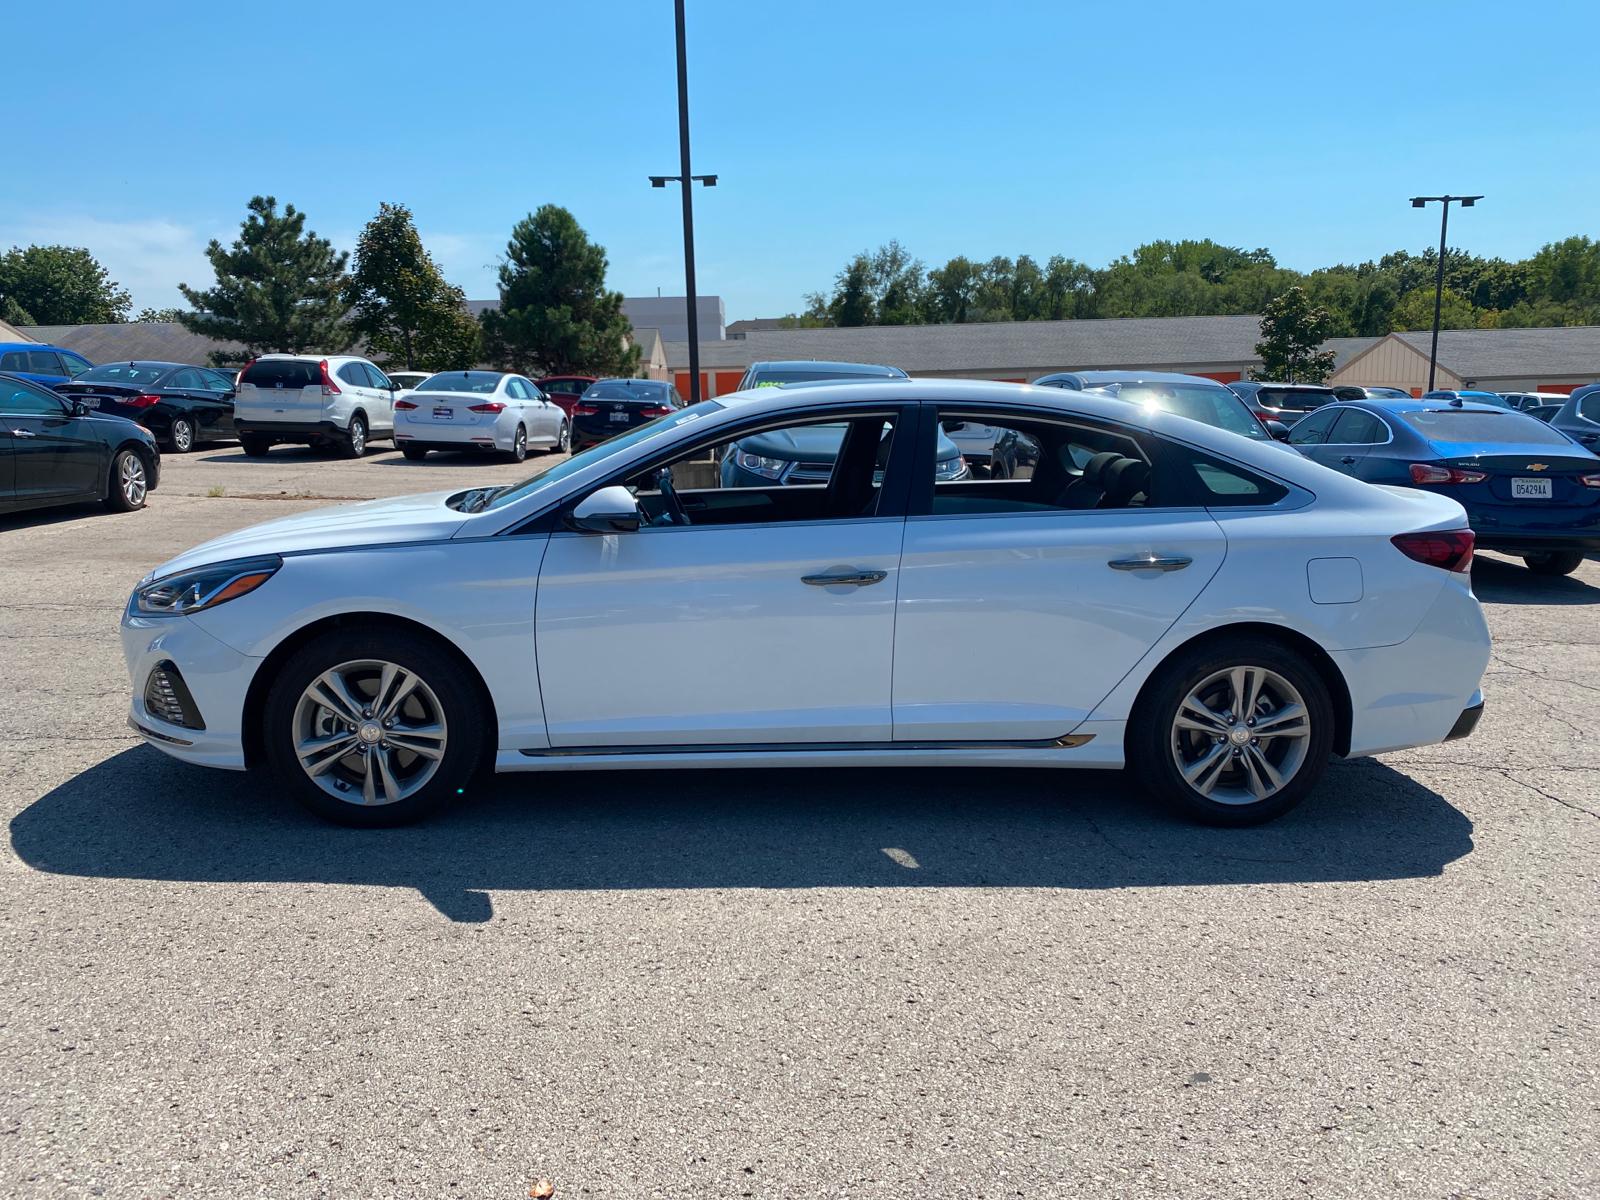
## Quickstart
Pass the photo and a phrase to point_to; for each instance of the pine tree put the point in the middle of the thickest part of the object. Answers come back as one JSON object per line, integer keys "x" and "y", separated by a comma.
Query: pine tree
{"x": 278, "y": 289}
{"x": 400, "y": 302}
{"x": 556, "y": 316}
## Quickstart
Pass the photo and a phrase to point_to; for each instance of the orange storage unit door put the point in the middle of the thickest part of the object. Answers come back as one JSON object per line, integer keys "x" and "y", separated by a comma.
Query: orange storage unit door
{"x": 728, "y": 381}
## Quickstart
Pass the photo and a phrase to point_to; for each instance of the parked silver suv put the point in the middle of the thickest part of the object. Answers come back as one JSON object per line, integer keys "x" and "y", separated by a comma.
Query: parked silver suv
{"x": 339, "y": 400}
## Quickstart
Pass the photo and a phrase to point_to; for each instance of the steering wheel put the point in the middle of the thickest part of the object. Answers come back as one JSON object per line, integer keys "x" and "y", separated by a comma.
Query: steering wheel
{"x": 675, "y": 511}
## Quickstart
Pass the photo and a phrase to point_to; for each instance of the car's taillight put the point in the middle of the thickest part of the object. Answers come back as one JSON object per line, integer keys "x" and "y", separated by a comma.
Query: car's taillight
{"x": 1431, "y": 473}
{"x": 329, "y": 387}
{"x": 488, "y": 406}
{"x": 1589, "y": 480}
{"x": 403, "y": 405}
{"x": 141, "y": 402}
{"x": 585, "y": 410}
{"x": 657, "y": 410}
{"x": 239, "y": 378}
{"x": 1450, "y": 550}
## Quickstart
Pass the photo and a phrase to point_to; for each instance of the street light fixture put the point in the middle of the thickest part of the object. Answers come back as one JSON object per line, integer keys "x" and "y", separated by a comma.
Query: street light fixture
{"x": 1438, "y": 280}
{"x": 686, "y": 181}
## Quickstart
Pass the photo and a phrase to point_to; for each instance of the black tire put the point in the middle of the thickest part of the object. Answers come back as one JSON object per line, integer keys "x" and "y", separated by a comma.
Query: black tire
{"x": 414, "y": 453}
{"x": 255, "y": 445}
{"x": 182, "y": 437}
{"x": 1554, "y": 562}
{"x": 519, "y": 445}
{"x": 563, "y": 440}
{"x": 128, "y": 483}
{"x": 1149, "y": 742}
{"x": 354, "y": 444}
{"x": 464, "y": 715}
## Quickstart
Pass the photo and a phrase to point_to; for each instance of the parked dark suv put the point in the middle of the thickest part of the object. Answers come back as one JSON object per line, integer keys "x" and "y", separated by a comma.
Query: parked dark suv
{"x": 1579, "y": 417}
{"x": 1285, "y": 402}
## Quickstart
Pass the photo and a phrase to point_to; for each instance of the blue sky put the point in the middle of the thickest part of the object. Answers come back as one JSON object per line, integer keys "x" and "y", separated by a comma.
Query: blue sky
{"x": 983, "y": 129}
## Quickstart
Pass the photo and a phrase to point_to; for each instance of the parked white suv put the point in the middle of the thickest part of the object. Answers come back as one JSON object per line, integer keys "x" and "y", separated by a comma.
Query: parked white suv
{"x": 340, "y": 401}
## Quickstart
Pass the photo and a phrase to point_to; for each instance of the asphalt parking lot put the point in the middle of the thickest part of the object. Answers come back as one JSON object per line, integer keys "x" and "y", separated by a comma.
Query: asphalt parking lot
{"x": 883, "y": 984}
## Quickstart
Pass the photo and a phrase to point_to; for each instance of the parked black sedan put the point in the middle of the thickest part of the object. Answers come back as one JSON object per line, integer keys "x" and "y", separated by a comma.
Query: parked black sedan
{"x": 54, "y": 450}
{"x": 612, "y": 406}
{"x": 182, "y": 405}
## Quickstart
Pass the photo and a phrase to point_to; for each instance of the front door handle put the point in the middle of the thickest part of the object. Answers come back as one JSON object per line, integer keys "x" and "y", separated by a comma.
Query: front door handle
{"x": 1151, "y": 562}
{"x": 23, "y": 433}
{"x": 845, "y": 578}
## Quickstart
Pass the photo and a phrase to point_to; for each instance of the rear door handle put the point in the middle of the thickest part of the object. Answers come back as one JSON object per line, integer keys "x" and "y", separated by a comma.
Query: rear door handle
{"x": 1151, "y": 562}
{"x": 1347, "y": 460}
{"x": 23, "y": 433}
{"x": 845, "y": 578}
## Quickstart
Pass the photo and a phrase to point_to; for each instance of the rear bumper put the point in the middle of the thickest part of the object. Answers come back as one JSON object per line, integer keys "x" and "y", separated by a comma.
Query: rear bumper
{"x": 300, "y": 431}
{"x": 1468, "y": 720}
{"x": 1585, "y": 540}
{"x": 448, "y": 437}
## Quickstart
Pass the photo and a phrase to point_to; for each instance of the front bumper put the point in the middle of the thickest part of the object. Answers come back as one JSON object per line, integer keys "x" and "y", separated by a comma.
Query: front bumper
{"x": 217, "y": 677}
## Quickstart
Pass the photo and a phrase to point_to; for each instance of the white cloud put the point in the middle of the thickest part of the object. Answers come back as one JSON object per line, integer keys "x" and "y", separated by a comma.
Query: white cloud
{"x": 147, "y": 257}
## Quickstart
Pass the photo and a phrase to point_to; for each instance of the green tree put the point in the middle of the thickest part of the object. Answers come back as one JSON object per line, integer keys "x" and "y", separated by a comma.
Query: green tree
{"x": 399, "y": 300}
{"x": 278, "y": 288}
{"x": 1416, "y": 311}
{"x": 555, "y": 314}
{"x": 1292, "y": 327}
{"x": 158, "y": 315}
{"x": 58, "y": 285}
{"x": 952, "y": 291}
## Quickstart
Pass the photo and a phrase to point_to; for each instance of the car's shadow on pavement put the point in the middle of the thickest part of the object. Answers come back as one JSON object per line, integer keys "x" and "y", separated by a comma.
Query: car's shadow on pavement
{"x": 141, "y": 815}
{"x": 1497, "y": 581}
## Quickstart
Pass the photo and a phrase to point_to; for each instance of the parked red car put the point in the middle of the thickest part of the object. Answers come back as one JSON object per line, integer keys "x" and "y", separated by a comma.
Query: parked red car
{"x": 565, "y": 389}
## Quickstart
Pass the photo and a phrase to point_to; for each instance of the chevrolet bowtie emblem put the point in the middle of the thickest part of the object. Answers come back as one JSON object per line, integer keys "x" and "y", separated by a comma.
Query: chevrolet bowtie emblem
{"x": 1537, "y": 467}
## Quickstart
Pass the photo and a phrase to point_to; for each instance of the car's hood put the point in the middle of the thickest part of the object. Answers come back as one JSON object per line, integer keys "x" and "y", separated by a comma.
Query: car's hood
{"x": 421, "y": 518}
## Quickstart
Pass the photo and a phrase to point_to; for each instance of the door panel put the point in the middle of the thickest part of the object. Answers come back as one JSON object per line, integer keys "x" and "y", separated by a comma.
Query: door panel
{"x": 55, "y": 456}
{"x": 7, "y": 468}
{"x": 708, "y": 636}
{"x": 1014, "y": 626}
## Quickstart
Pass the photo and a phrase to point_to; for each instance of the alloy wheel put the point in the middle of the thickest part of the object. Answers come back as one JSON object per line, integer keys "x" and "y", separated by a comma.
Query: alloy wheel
{"x": 358, "y": 438}
{"x": 519, "y": 445}
{"x": 369, "y": 732}
{"x": 564, "y": 441}
{"x": 1241, "y": 735}
{"x": 182, "y": 436}
{"x": 131, "y": 479}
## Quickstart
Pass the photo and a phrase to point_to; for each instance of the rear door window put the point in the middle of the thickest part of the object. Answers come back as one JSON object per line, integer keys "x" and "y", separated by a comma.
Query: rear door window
{"x": 1355, "y": 427}
{"x": 188, "y": 379}
{"x": 45, "y": 362}
{"x": 1312, "y": 430}
{"x": 281, "y": 373}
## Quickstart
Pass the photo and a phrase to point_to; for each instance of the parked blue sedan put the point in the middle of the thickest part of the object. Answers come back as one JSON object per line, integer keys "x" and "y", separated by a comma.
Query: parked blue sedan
{"x": 1528, "y": 489}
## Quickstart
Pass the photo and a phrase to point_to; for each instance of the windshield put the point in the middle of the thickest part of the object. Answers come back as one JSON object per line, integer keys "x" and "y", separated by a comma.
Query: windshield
{"x": 128, "y": 372}
{"x": 1215, "y": 406}
{"x": 770, "y": 378}
{"x": 622, "y": 389}
{"x": 478, "y": 382}
{"x": 1463, "y": 425}
{"x": 571, "y": 466}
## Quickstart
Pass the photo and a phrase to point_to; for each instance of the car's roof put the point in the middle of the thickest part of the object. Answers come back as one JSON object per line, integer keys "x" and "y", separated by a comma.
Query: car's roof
{"x": 854, "y": 368}
{"x": 634, "y": 382}
{"x": 1395, "y": 404}
{"x": 1094, "y": 378}
{"x": 303, "y": 357}
{"x": 148, "y": 362}
{"x": 1291, "y": 387}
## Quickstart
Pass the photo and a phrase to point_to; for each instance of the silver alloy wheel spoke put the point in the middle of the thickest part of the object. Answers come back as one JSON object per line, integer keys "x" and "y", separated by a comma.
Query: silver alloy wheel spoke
{"x": 1203, "y": 772}
{"x": 318, "y": 754}
{"x": 1260, "y": 775}
{"x": 426, "y": 740}
{"x": 336, "y": 697}
{"x": 380, "y": 758}
{"x": 1289, "y": 721}
{"x": 1192, "y": 714}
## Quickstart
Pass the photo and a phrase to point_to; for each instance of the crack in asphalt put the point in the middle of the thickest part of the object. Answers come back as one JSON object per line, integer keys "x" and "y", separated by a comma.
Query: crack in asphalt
{"x": 1507, "y": 774}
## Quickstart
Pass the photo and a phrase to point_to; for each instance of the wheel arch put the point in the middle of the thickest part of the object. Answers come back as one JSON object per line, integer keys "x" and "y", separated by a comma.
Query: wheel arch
{"x": 146, "y": 455}
{"x": 1321, "y": 661}
{"x": 255, "y": 700}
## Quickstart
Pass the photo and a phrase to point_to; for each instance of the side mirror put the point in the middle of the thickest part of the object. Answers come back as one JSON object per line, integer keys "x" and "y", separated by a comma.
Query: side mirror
{"x": 610, "y": 510}
{"x": 78, "y": 408}
{"x": 1278, "y": 430}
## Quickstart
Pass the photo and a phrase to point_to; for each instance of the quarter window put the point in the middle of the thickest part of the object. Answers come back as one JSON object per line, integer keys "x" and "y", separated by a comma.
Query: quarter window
{"x": 355, "y": 374}
{"x": 1356, "y": 427}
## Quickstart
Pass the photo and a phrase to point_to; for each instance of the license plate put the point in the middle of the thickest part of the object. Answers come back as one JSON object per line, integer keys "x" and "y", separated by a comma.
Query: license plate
{"x": 1531, "y": 489}
{"x": 619, "y": 417}
{"x": 444, "y": 414}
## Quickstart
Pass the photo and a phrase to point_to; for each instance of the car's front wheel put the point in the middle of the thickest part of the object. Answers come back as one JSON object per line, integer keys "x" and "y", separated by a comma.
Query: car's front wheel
{"x": 372, "y": 731}
{"x": 129, "y": 485}
{"x": 1232, "y": 732}
{"x": 1554, "y": 562}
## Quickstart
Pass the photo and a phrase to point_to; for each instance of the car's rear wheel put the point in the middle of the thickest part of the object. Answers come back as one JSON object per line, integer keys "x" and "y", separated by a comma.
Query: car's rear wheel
{"x": 519, "y": 445}
{"x": 129, "y": 485}
{"x": 564, "y": 440}
{"x": 182, "y": 435}
{"x": 414, "y": 453}
{"x": 255, "y": 445}
{"x": 1554, "y": 562}
{"x": 372, "y": 731}
{"x": 355, "y": 438}
{"x": 1232, "y": 732}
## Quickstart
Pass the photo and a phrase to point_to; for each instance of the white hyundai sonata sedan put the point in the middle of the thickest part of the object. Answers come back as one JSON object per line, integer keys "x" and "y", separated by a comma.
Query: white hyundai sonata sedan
{"x": 1218, "y": 615}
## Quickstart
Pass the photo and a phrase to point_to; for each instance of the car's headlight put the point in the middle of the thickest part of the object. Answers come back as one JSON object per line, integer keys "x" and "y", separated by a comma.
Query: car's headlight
{"x": 767, "y": 468}
{"x": 951, "y": 468}
{"x": 204, "y": 587}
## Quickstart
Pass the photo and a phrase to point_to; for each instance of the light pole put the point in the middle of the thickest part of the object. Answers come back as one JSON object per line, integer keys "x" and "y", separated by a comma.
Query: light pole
{"x": 1438, "y": 281}
{"x": 686, "y": 181}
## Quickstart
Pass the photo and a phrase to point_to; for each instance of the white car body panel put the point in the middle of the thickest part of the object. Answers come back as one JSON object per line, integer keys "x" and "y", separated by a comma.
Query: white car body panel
{"x": 445, "y": 419}
{"x": 704, "y": 638}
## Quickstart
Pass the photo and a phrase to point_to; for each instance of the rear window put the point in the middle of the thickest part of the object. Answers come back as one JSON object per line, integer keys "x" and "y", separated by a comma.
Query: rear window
{"x": 478, "y": 382}
{"x": 618, "y": 390}
{"x": 810, "y": 375}
{"x": 281, "y": 373}
{"x": 1457, "y": 426}
{"x": 124, "y": 373}
{"x": 1294, "y": 399}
